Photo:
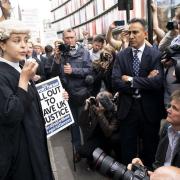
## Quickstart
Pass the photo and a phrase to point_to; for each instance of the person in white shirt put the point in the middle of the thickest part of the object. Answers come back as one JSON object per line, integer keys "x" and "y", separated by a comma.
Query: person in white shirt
{"x": 97, "y": 46}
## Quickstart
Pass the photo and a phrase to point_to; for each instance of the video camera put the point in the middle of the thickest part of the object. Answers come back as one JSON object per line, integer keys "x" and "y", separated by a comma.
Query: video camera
{"x": 109, "y": 167}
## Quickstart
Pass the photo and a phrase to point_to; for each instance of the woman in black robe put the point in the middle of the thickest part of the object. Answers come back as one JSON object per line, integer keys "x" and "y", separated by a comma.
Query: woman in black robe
{"x": 23, "y": 144}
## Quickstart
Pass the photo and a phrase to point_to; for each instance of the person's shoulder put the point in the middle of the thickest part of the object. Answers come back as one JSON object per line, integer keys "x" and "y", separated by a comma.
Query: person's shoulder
{"x": 164, "y": 129}
{"x": 153, "y": 51}
{"x": 124, "y": 51}
{"x": 43, "y": 57}
{"x": 80, "y": 48}
{"x": 83, "y": 50}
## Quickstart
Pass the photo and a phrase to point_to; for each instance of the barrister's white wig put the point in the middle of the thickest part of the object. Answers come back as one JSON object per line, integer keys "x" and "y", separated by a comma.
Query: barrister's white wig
{"x": 8, "y": 27}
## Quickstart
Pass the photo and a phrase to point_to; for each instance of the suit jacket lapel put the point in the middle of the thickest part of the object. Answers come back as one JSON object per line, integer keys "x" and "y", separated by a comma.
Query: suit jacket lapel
{"x": 129, "y": 58}
{"x": 163, "y": 146}
{"x": 144, "y": 62}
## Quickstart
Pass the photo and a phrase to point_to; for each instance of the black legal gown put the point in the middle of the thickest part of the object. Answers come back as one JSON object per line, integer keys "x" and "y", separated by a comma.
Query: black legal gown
{"x": 23, "y": 144}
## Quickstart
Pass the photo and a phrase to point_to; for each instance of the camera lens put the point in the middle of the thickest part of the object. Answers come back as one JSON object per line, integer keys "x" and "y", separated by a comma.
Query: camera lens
{"x": 109, "y": 167}
{"x": 98, "y": 156}
{"x": 118, "y": 170}
{"x": 106, "y": 164}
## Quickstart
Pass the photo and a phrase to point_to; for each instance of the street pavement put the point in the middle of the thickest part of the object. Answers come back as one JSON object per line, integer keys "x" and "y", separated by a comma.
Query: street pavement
{"x": 60, "y": 150}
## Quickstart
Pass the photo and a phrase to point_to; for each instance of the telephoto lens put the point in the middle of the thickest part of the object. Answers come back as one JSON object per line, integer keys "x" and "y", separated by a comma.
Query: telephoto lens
{"x": 107, "y": 166}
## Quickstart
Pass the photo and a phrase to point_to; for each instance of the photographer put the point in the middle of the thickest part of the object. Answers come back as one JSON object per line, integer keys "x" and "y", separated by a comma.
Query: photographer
{"x": 170, "y": 60}
{"x": 99, "y": 125}
{"x": 173, "y": 33}
{"x": 102, "y": 69}
{"x": 168, "y": 152}
{"x": 74, "y": 67}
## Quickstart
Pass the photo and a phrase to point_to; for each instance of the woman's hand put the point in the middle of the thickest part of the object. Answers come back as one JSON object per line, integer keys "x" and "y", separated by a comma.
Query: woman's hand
{"x": 28, "y": 72}
{"x": 65, "y": 95}
{"x": 29, "y": 69}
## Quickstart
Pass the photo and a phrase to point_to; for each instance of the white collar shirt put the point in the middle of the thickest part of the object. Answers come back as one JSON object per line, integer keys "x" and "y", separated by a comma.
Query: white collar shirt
{"x": 140, "y": 51}
{"x": 174, "y": 137}
{"x": 15, "y": 65}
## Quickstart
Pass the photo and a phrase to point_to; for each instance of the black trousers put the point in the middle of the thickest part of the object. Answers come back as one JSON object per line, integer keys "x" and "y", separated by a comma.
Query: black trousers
{"x": 139, "y": 137}
{"x": 75, "y": 129}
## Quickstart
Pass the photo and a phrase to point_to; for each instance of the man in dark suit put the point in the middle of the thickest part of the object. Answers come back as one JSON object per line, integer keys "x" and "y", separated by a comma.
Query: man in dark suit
{"x": 138, "y": 77}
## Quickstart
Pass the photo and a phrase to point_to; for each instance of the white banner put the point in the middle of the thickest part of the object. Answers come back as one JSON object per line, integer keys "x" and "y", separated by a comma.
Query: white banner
{"x": 56, "y": 111}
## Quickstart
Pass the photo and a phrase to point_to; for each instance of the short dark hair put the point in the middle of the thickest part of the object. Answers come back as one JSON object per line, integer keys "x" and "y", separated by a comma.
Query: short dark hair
{"x": 48, "y": 48}
{"x": 138, "y": 20}
{"x": 69, "y": 30}
{"x": 99, "y": 38}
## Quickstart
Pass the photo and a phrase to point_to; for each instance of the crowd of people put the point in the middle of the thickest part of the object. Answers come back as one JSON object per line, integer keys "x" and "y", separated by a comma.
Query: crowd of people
{"x": 119, "y": 91}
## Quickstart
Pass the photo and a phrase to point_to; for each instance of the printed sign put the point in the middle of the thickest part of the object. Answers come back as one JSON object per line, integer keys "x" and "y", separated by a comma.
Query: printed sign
{"x": 56, "y": 111}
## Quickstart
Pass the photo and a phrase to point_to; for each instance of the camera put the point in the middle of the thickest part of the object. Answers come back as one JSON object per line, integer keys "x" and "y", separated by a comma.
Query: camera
{"x": 92, "y": 100}
{"x": 172, "y": 25}
{"x": 109, "y": 167}
{"x": 104, "y": 100}
{"x": 172, "y": 54}
{"x": 64, "y": 48}
{"x": 119, "y": 23}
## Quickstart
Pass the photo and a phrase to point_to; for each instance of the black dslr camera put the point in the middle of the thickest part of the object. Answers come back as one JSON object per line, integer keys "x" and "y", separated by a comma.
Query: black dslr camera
{"x": 173, "y": 54}
{"x": 109, "y": 167}
{"x": 104, "y": 100}
{"x": 64, "y": 48}
{"x": 171, "y": 25}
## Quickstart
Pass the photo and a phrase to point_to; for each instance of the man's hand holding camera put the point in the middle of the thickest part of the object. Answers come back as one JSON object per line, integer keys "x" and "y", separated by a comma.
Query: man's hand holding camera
{"x": 137, "y": 161}
{"x": 98, "y": 109}
{"x": 95, "y": 106}
{"x": 67, "y": 68}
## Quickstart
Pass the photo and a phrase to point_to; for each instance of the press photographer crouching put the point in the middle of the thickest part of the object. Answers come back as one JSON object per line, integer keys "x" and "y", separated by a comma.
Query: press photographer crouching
{"x": 99, "y": 126}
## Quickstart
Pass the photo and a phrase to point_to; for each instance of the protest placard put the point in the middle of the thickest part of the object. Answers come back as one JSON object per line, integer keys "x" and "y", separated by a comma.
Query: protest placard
{"x": 56, "y": 111}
